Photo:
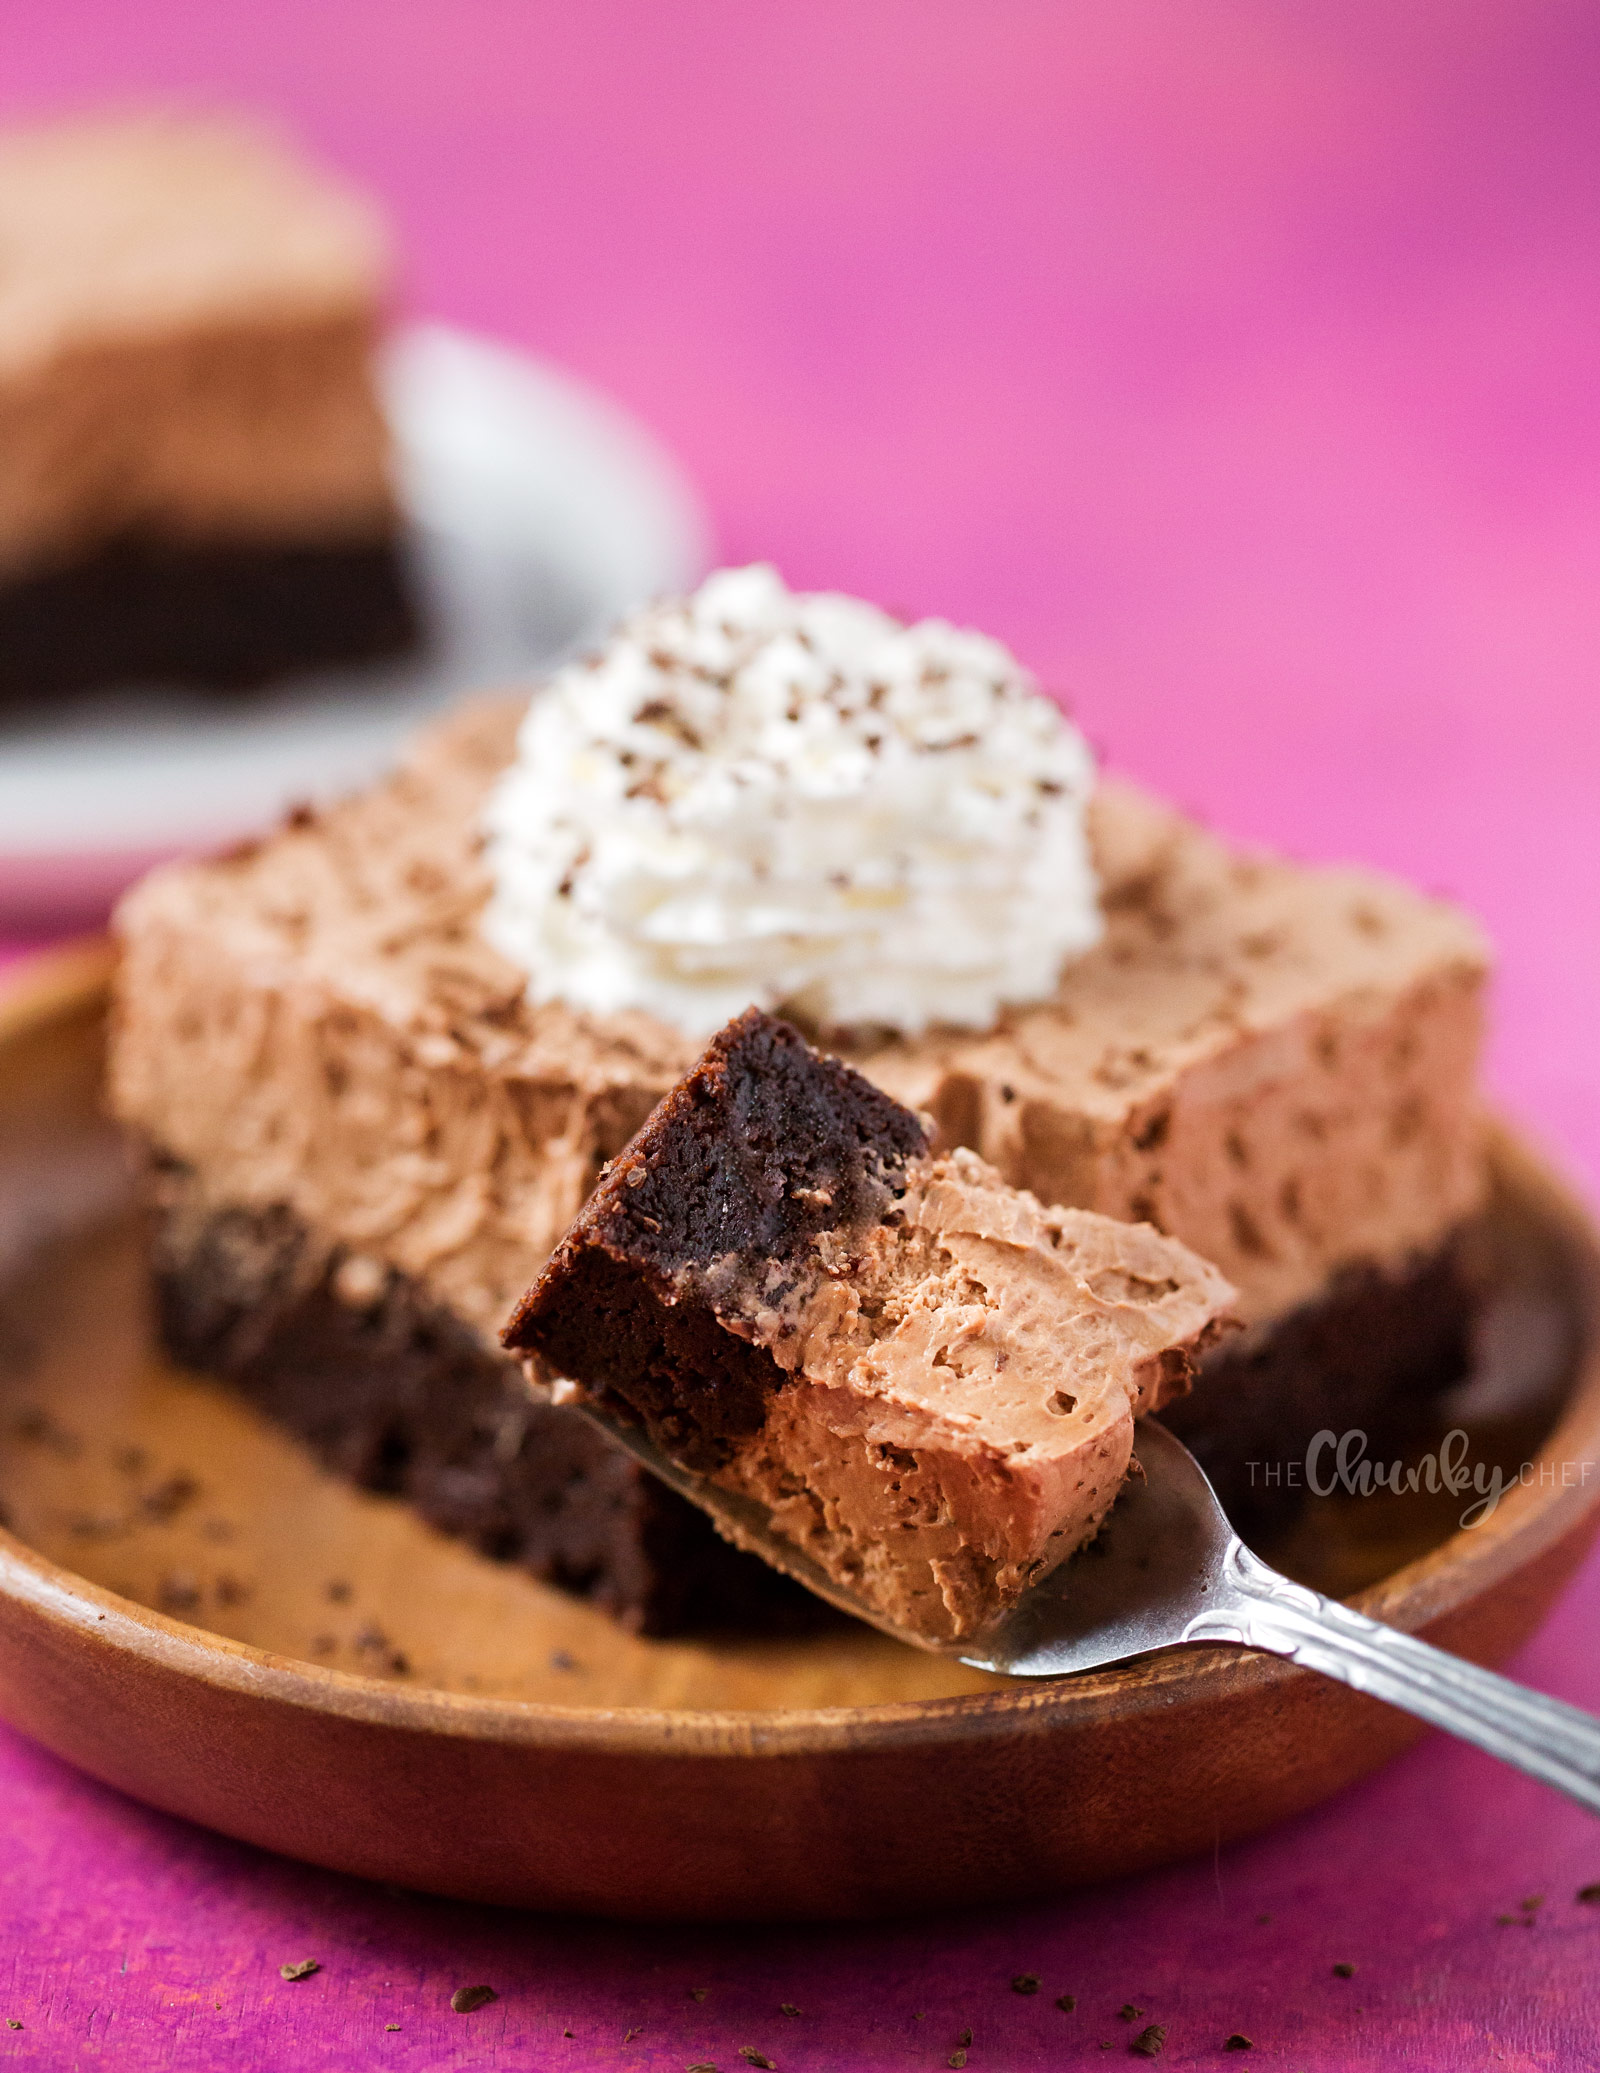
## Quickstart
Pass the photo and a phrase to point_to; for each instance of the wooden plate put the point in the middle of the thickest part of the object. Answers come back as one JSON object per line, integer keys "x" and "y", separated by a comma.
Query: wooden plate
{"x": 190, "y": 1611}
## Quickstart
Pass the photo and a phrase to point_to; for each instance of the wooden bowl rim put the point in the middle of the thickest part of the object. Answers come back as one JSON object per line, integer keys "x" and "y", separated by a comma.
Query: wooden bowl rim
{"x": 75, "y": 977}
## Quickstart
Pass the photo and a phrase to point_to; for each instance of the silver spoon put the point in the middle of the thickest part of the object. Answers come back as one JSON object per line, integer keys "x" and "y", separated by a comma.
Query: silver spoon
{"x": 1167, "y": 1571}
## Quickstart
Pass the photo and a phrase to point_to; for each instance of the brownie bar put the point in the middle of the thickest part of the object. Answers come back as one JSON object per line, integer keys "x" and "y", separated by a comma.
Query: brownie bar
{"x": 398, "y": 1396}
{"x": 196, "y": 473}
{"x": 221, "y": 617}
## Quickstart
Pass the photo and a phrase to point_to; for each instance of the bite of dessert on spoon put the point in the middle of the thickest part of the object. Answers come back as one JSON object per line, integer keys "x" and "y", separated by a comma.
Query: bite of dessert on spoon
{"x": 914, "y": 1388}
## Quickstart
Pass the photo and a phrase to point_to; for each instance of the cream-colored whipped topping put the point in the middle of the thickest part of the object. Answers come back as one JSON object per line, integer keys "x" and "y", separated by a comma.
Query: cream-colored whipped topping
{"x": 758, "y": 796}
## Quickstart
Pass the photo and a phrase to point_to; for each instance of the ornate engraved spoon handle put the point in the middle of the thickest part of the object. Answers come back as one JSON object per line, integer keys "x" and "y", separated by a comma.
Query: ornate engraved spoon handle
{"x": 1258, "y": 1608}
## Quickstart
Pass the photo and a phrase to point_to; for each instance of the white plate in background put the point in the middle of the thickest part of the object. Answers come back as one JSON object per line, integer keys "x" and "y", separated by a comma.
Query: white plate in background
{"x": 540, "y": 512}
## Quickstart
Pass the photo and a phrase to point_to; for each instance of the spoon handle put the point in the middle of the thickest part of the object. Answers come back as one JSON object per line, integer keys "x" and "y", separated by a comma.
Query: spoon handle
{"x": 1258, "y": 1608}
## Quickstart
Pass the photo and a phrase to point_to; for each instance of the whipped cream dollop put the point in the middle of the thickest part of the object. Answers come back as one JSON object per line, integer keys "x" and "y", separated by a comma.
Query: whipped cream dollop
{"x": 756, "y": 796}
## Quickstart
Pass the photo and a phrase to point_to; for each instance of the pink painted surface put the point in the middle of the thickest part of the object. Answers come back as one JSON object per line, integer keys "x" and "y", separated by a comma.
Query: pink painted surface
{"x": 1236, "y": 363}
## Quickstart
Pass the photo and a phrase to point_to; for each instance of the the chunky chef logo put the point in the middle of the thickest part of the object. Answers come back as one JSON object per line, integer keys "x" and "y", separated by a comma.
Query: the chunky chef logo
{"x": 1339, "y": 1461}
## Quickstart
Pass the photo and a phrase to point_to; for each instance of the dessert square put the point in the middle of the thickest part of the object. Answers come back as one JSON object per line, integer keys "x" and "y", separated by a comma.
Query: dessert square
{"x": 927, "y": 1378}
{"x": 326, "y": 1039}
{"x": 195, "y": 478}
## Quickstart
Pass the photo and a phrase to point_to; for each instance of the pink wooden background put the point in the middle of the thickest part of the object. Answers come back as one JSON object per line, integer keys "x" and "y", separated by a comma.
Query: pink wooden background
{"x": 1237, "y": 363}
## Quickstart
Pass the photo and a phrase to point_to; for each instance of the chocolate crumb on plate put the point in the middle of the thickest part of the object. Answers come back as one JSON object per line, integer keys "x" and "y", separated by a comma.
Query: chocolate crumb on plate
{"x": 303, "y": 1970}
{"x": 338, "y": 1592}
{"x": 391, "y": 2026}
{"x": 1129, "y": 2013}
{"x": 787, "y": 2008}
{"x": 1149, "y": 2041}
{"x": 963, "y": 2039}
{"x": 1589, "y": 1895}
{"x": 957, "y": 2059}
{"x": 179, "y": 1591}
{"x": 630, "y": 2033}
{"x": 560, "y": 1660}
{"x": 1066, "y": 2003}
{"x": 465, "y": 1999}
{"x": 1345, "y": 1970}
{"x": 752, "y": 2057}
{"x": 698, "y": 1993}
{"x": 1238, "y": 2042}
{"x": 701, "y": 2066}
{"x": 169, "y": 1497}
{"x": 1025, "y": 1983}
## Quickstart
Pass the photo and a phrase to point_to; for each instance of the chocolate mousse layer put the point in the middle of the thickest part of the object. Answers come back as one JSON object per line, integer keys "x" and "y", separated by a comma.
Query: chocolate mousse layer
{"x": 195, "y": 476}
{"x": 1274, "y": 1064}
{"x": 928, "y": 1380}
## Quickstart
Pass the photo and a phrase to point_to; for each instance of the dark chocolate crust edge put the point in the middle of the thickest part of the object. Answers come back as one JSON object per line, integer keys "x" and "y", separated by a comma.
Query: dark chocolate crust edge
{"x": 218, "y": 616}
{"x": 396, "y": 1394}
{"x": 762, "y": 1146}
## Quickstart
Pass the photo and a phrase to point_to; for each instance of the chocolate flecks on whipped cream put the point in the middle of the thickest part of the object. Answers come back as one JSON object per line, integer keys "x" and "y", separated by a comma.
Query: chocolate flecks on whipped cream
{"x": 927, "y": 1378}
{"x": 756, "y": 795}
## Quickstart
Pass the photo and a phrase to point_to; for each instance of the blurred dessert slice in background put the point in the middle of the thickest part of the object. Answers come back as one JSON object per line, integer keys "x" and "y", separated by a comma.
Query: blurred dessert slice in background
{"x": 195, "y": 474}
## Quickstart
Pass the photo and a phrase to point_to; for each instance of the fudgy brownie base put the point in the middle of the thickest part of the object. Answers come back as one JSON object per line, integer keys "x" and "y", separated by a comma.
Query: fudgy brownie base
{"x": 217, "y": 617}
{"x": 1372, "y": 1355}
{"x": 398, "y": 1396}
{"x": 762, "y": 1146}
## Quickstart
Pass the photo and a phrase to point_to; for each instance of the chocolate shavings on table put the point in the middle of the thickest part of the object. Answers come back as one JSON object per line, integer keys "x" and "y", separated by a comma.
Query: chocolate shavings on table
{"x": 1149, "y": 2041}
{"x": 752, "y": 2057}
{"x": 303, "y": 1970}
{"x": 465, "y": 1999}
